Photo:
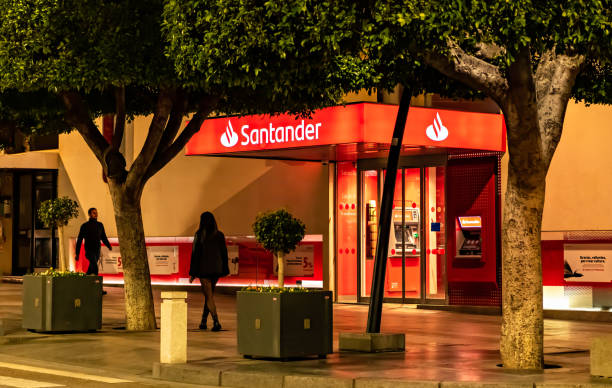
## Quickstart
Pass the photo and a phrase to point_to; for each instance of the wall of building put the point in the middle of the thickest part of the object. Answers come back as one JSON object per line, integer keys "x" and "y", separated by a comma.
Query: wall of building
{"x": 235, "y": 190}
{"x": 579, "y": 180}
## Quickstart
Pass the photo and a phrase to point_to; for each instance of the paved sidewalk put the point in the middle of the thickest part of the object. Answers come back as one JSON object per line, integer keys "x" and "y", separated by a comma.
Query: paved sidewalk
{"x": 440, "y": 347}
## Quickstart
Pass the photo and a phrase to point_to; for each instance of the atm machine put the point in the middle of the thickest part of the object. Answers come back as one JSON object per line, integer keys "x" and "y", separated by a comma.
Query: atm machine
{"x": 410, "y": 230}
{"x": 468, "y": 240}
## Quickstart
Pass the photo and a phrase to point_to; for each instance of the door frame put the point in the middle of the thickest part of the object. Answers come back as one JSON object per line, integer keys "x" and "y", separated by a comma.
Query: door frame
{"x": 410, "y": 161}
{"x": 17, "y": 196}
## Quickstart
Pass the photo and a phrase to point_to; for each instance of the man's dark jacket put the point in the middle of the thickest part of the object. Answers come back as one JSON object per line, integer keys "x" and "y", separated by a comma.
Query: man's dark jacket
{"x": 93, "y": 232}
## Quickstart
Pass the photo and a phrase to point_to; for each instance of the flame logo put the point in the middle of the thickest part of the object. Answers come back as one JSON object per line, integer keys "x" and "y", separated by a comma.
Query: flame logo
{"x": 437, "y": 131}
{"x": 229, "y": 137}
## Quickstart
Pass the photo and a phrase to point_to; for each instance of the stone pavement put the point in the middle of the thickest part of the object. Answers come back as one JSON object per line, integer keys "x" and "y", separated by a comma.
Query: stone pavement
{"x": 442, "y": 349}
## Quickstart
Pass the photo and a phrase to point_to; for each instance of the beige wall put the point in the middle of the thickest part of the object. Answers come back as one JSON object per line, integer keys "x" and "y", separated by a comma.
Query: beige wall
{"x": 234, "y": 189}
{"x": 579, "y": 182}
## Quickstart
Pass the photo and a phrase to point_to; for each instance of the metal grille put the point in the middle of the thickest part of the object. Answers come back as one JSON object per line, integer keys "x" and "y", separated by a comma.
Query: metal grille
{"x": 588, "y": 235}
{"x": 474, "y": 294}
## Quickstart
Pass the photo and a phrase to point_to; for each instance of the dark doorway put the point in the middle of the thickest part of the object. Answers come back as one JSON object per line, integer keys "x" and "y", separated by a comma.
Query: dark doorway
{"x": 35, "y": 246}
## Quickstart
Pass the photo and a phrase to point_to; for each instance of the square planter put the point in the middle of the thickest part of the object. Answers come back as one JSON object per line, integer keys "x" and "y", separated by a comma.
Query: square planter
{"x": 62, "y": 303}
{"x": 285, "y": 325}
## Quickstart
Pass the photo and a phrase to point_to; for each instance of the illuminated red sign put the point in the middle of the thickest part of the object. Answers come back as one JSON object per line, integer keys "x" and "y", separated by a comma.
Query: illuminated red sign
{"x": 356, "y": 123}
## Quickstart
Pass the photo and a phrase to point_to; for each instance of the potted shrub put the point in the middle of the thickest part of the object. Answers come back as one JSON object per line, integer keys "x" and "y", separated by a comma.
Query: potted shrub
{"x": 56, "y": 213}
{"x": 62, "y": 301}
{"x": 280, "y": 322}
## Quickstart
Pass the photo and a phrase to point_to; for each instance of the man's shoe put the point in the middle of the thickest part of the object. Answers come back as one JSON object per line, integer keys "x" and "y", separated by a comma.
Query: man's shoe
{"x": 216, "y": 327}
{"x": 104, "y": 292}
{"x": 202, "y": 326}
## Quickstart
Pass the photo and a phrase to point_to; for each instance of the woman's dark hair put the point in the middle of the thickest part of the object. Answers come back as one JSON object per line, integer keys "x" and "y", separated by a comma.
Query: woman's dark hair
{"x": 208, "y": 225}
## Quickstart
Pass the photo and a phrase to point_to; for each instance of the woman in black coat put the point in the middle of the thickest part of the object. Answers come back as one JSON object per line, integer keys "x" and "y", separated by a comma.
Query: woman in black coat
{"x": 208, "y": 263}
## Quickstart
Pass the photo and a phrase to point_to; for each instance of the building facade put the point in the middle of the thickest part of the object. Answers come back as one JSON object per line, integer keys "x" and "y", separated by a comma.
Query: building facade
{"x": 445, "y": 246}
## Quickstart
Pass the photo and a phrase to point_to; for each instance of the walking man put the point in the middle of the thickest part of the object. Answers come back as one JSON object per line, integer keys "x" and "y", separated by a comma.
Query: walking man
{"x": 93, "y": 232}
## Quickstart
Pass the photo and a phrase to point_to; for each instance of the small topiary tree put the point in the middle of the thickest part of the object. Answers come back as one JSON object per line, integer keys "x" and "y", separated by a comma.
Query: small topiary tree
{"x": 279, "y": 232}
{"x": 56, "y": 213}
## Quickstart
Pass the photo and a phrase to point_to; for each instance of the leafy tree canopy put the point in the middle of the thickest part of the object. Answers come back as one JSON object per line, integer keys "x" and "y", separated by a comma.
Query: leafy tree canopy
{"x": 407, "y": 31}
{"x": 246, "y": 42}
{"x": 288, "y": 51}
{"x": 84, "y": 45}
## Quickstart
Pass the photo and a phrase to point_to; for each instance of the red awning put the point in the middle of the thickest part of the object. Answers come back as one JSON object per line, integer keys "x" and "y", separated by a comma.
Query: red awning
{"x": 347, "y": 133}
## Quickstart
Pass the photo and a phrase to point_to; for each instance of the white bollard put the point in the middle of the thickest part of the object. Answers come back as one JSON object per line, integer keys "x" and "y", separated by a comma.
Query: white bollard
{"x": 173, "y": 346}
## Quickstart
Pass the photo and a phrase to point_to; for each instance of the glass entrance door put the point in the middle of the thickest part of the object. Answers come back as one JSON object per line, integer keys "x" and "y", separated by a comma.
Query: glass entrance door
{"x": 434, "y": 233}
{"x": 415, "y": 265}
{"x": 35, "y": 245}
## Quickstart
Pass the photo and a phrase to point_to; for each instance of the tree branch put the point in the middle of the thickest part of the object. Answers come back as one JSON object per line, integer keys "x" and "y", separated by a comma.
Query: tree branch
{"x": 119, "y": 117}
{"x": 179, "y": 109}
{"x": 470, "y": 70}
{"x": 206, "y": 106}
{"x": 136, "y": 175}
{"x": 77, "y": 115}
{"x": 554, "y": 79}
{"x": 489, "y": 50}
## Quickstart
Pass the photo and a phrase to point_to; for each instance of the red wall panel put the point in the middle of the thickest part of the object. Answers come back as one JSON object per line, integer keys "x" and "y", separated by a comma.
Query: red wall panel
{"x": 472, "y": 192}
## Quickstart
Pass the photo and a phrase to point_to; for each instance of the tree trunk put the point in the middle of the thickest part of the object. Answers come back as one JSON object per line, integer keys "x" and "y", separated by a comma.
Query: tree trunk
{"x": 281, "y": 269}
{"x": 62, "y": 254}
{"x": 522, "y": 319}
{"x": 139, "y": 308}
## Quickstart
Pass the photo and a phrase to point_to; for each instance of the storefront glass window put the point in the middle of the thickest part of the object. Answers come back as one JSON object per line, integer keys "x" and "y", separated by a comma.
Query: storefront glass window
{"x": 412, "y": 232}
{"x": 417, "y": 246}
{"x": 435, "y": 232}
{"x": 369, "y": 209}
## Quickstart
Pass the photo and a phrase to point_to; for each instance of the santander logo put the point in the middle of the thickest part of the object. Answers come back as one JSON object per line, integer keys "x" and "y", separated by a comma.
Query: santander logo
{"x": 437, "y": 131}
{"x": 229, "y": 137}
{"x": 299, "y": 131}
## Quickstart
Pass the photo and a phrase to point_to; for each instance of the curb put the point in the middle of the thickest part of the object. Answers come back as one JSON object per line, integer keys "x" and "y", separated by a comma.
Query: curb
{"x": 194, "y": 374}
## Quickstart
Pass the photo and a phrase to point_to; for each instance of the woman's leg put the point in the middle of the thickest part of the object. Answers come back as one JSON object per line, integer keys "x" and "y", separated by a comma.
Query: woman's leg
{"x": 205, "y": 311}
{"x": 208, "y": 297}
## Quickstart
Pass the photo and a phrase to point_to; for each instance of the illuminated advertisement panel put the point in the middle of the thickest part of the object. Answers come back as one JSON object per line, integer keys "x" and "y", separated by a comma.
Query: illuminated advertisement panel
{"x": 355, "y": 123}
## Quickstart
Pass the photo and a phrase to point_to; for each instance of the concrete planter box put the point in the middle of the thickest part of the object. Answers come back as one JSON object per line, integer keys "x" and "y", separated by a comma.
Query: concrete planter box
{"x": 284, "y": 325}
{"x": 62, "y": 303}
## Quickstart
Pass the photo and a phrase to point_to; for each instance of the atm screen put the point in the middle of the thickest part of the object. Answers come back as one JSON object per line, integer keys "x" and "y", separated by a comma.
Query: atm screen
{"x": 470, "y": 222}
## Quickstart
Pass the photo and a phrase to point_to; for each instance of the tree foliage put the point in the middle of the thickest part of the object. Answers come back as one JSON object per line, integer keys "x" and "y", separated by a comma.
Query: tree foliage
{"x": 278, "y": 231}
{"x": 288, "y": 51}
{"x": 411, "y": 32}
{"x": 58, "y": 212}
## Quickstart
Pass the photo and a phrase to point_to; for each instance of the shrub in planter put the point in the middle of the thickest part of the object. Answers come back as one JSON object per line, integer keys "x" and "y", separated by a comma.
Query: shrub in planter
{"x": 280, "y": 233}
{"x": 62, "y": 301}
{"x": 56, "y": 213}
{"x": 282, "y": 322}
